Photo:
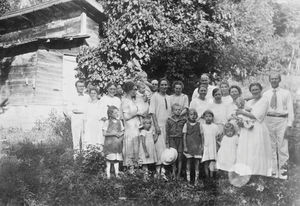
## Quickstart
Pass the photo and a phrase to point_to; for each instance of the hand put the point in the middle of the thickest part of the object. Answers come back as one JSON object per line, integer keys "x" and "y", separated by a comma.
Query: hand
{"x": 147, "y": 154}
{"x": 287, "y": 132}
{"x": 248, "y": 109}
{"x": 158, "y": 131}
{"x": 185, "y": 149}
{"x": 76, "y": 111}
{"x": 104, "y": 119}
{"x": 155, "y": 138}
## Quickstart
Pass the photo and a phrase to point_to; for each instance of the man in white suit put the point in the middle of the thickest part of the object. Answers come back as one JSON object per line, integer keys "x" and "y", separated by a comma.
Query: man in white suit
{"x": 279, "y": 120}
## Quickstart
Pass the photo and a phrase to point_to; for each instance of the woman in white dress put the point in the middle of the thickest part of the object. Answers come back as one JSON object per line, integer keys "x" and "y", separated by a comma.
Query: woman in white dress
{"x": 108, "y": 100}
{"x": 131, "y": 123}
{"x": 92, "y": 120}
{"x": 254, "y": 154}
{"x": 201, "y": 103}
{"x": 219, "y": 108}
{"x": 160, "y": 109}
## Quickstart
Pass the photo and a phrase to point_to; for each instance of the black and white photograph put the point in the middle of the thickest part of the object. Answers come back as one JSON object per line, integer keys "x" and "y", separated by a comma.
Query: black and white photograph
{"x": 149, "y": 102}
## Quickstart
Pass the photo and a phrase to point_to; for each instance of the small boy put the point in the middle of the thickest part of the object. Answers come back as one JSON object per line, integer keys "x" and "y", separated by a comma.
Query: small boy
{"x": 174, "y": 136}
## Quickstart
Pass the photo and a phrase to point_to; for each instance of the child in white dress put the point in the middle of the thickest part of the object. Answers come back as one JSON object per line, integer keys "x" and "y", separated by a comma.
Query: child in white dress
{"x": 142, "y": 101}
{"x": 211, "y": 133}
{"x": 147, "y": 153}
{"x": 227, "y": 153}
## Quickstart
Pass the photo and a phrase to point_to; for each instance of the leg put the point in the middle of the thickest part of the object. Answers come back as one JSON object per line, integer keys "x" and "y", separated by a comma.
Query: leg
{"x": 197, "y": 161}
{"x": 174, "y": 170}
{"x": 188, "y": 169}
{"x": 116, "y": 167}
{"x": 145, "y": 169}
{"x": 283, "y": 151}
{"x": 206, "y": 168}
{"x": 271, "y": 124}
{"x": 76, "y": 126}
{"x": 179, "y": 166}
{"x": 158, "y": 168}
{"x": 108, "y": 164}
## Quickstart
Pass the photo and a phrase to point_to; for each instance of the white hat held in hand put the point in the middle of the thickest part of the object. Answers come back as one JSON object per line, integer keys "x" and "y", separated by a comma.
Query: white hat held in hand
{"x": 169, "y": 156}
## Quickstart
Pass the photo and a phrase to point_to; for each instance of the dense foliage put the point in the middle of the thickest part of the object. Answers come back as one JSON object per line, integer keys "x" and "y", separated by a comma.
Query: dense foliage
{"x": 181, "y": 39}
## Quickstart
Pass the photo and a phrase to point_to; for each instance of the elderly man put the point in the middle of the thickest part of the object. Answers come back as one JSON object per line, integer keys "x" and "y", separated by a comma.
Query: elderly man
{"x": 279, "y": 120}
{"x": 154, "y": 84}
{"x": 77, "y": 107}
{"x": 204, "y": 79}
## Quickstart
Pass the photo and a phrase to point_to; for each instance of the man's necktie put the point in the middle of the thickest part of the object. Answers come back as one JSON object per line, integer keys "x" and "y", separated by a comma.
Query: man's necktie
{"x": 166, "y": 104}
{"x": 274, "y": 100}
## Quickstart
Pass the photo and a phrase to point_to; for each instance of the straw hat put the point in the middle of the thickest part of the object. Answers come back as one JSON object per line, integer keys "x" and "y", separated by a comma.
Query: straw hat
{"x": 238, "y": 180}
{"x": 169, "y": 156}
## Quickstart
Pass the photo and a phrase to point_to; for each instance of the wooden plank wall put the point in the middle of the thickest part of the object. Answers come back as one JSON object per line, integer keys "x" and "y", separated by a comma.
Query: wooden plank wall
{"x": 92, "y": 29}
{"x": 21, "y": 75}
{"x": 58, "y": 29}
{"x": 49, "y": 78}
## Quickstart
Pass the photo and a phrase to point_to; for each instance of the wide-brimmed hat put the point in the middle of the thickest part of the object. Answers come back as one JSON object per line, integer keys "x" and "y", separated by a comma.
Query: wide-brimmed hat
{"x": 169, "y": 156}
{"x": 238, "y": 180}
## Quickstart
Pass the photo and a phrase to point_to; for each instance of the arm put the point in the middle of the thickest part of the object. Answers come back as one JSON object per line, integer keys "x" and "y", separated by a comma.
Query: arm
{"x": 246, "y": 114}
{"x": 290, "y": 108}
{"x": 144, "y": 145}
{"x": 184, "y": 143}
{"x": 127, "y": 115}
{"x": 167, "y": 134}
{"x": 157, "y": 129}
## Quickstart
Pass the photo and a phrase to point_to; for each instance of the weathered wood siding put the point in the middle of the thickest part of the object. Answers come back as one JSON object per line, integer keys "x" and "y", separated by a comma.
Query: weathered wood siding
{"x": 20, "y": 72}
{"x": 92, "y": 29}
{"x": 49, "y": 78}
{"x": 58, "y": 29}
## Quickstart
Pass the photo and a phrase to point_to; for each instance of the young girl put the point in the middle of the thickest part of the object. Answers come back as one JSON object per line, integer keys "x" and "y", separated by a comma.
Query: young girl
{"x": 211, "y": 133}
{"x": 147, "y": 153}
{"x": 193, "y": 143}
{"x": 113, "y": 131}
{"x": 142, "y": 101}
{"x": 227, "y": 152}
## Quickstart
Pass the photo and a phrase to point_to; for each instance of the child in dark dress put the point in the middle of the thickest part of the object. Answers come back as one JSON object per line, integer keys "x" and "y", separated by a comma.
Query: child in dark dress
{"x": 193, "y": 143}
{"x": 113, "y": 131}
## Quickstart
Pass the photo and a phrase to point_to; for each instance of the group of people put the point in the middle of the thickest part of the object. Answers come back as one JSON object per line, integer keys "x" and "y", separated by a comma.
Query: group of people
{"x": 137, "y": 122}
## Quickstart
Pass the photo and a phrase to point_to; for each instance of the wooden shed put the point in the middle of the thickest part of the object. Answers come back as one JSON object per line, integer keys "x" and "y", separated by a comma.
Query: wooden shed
{"x": 38, "y": 48}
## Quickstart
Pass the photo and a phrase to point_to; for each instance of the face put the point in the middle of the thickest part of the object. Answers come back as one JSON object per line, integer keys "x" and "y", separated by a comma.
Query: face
{"x": 120, "y": 90}
{"x": 163, "y": 86}
{"x": 178, "y": 89}
{"x": 234, "y": 93}
{"x": 274, "y": 80}
{"x": 144, "y": 77}
{"x": 202, "y": 92}
{"x": 192, "y": 116}
{"x": 147, "y": 125}
{"x": 204, "y": 80}
{"x": 115, "y": 114}
{"x": 177, "y": 110}
{"x": 112, "y": 90}
{"x": 229, "y": 132}
{"x": 80, "y": 87}
{"x": 255, "y": 91}
{"x": 208, "y": 118}
{"x": 218, "y": 95}
{"x": 142, "y": 89}
{"x": 154, "y": 85}
{"x": 224, "y": 89}
{"x": 93, "y": 95}
{"x": 132, "y": 93}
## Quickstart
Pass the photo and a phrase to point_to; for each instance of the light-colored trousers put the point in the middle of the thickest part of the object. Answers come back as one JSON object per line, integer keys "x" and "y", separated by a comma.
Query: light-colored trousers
{"x": 280, "y": 151}
{"x": 77, "y": 124}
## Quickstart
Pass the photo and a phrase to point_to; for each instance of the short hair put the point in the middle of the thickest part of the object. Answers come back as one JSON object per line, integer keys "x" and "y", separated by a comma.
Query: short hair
{"x": 215, "y": 90}
{"x": 235, "y": 87}
{"x": 140, "y": 75}
{"x": 208, "y": 112}
{"x": 147, "y": 118}
{"x": 154, "y": 80}
{"x": 128, "y": 86}
{"x": 224, "y": 82}
{"x": 205, "y": 75}
{"x": 111, "y": 109}
{"x": 109, "y": 84}
{"x": 275, "y": 73}
{"x": 93, "y": 89}
{"x": 194, "y": 111}
{"x": 255, "y": 84}
{"x": 175, "y": 105}
{"x": 228, "y": 126}
{"x": 178, "y": 83}
{"x": 202, "y": 85}
{"x": 79, "y": 81}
